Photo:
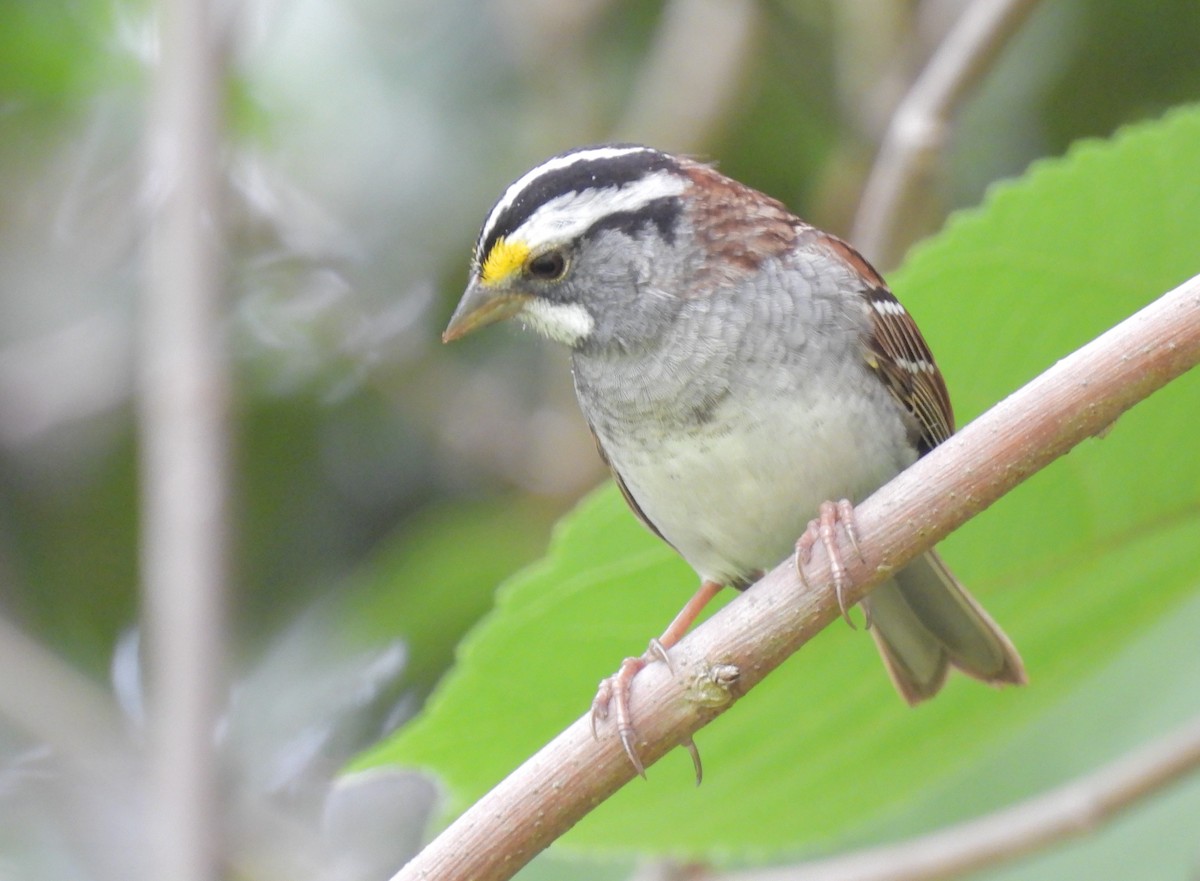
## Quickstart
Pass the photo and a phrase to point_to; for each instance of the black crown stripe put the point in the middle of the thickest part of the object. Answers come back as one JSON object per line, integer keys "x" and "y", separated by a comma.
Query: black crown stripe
{"x": 597, "y": 173}
{"x": 663, "y": 213}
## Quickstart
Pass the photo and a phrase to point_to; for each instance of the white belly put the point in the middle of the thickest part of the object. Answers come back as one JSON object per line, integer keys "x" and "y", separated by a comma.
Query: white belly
{"x": 735, "y": 502}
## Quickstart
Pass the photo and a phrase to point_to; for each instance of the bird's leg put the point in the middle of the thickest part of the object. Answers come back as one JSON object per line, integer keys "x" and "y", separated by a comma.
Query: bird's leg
{"x": 824, "y": 530}
{"x": 615, "y": 689}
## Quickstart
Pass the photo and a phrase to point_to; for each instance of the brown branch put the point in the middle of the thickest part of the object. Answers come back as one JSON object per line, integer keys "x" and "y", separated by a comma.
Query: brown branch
{"x": 918, "y": 128}
{"x": 1078, "y": 397}
{"x": 1068, "y": 811}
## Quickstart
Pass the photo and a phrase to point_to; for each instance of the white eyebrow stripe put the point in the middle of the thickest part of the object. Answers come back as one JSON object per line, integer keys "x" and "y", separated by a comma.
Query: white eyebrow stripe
{"x": 570, "y": 215}
{"x": 548, "y": 167}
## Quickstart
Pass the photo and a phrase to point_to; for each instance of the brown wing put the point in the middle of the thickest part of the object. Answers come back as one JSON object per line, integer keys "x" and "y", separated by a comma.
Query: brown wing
{"x": 900, "y": 357}
{"x": 628, "y": 496}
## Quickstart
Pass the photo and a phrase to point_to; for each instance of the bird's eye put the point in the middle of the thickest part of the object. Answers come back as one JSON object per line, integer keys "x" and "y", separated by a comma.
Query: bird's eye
{"x": 549, "y": 266}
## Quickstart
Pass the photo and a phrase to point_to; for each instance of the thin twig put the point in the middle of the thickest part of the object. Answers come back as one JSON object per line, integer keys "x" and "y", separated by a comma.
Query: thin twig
{"x": 917, "y": 132}
{"x": 184, "y": 412}
{"x": 1078, "y": 397}
{"x": 1068, "y": 811}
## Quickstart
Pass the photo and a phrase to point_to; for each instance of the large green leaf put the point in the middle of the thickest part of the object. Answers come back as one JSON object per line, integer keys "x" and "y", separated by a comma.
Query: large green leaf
{"x": 1076, "y": 563}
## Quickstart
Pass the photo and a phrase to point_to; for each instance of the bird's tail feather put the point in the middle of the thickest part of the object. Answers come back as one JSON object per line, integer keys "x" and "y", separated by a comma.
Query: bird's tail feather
{"x": 924, "y": 621}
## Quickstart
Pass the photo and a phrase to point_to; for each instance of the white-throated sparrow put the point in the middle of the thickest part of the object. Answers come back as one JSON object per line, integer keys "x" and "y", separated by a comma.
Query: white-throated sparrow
{"x": 739, "y": 369}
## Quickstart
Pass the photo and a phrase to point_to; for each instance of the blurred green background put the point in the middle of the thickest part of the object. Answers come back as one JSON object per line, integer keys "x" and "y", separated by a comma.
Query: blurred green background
{"x": 378, "y": 474}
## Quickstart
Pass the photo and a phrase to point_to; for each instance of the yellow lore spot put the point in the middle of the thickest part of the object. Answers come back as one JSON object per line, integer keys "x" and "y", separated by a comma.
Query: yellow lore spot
{"x": 503, "y": 260}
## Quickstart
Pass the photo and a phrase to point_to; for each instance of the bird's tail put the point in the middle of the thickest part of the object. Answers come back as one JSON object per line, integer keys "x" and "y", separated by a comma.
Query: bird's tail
{"x": 924, "y": 621}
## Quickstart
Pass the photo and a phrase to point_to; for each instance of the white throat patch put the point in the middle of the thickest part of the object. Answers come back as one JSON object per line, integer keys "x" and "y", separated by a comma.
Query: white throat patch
{"x": 567, "y": 323}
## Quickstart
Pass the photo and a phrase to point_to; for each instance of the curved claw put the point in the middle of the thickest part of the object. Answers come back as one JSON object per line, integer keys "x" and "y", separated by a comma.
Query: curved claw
{"x": 600, "y": 703}
{"x": 615, "y": 689}
{"x": 621, "y": 684}
{"x": 660, "y": 651}
{"x": 629, "y": 741}
{"x": 827, "y": 529}
{"x": 824, "y": 530}
{"x": 803, "y": 555}
{"x": 690, "y": 746}
{"x": 849, "y": 521}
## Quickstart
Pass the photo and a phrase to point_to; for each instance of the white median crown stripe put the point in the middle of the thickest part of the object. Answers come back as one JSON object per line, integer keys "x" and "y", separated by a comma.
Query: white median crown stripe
{"x": 570, "y": 215}
{"x": 548, "y": 167}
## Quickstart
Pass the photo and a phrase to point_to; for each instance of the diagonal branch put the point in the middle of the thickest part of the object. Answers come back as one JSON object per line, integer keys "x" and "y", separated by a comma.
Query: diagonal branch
{"x": 1078, "y": 397}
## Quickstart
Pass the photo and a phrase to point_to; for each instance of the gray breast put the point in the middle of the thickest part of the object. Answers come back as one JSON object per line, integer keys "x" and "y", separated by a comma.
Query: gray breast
{"x": 755, "y": 340}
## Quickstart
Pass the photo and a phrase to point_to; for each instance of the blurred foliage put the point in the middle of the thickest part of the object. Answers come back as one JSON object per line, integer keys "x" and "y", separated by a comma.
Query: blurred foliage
{"x": 379, "y": 474}
{"x": 436, "y": 579}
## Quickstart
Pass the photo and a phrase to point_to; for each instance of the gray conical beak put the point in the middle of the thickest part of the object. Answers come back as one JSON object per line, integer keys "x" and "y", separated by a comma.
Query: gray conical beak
{"x": 480, "y": 306}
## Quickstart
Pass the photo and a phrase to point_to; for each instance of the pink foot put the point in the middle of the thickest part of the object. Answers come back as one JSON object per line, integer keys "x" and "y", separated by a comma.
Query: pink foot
{"x": 614, "y": 691}
{"x": 824, "y": 530}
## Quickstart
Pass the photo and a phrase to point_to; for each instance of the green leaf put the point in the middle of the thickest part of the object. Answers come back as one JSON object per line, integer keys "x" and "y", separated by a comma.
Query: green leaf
{"x": 1075, "y": 564}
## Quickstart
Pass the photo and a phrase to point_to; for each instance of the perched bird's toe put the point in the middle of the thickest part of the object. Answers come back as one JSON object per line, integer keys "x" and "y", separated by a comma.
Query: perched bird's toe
{"x": 613, "y": 693}
{"x": 824, "y": 530}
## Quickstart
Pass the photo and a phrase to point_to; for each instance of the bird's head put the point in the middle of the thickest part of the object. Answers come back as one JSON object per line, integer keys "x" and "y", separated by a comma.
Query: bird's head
{"x": 588, "y": 249}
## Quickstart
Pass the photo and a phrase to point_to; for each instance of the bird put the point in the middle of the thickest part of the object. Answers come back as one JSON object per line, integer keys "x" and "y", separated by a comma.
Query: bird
{"x": 747, "y": 378}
